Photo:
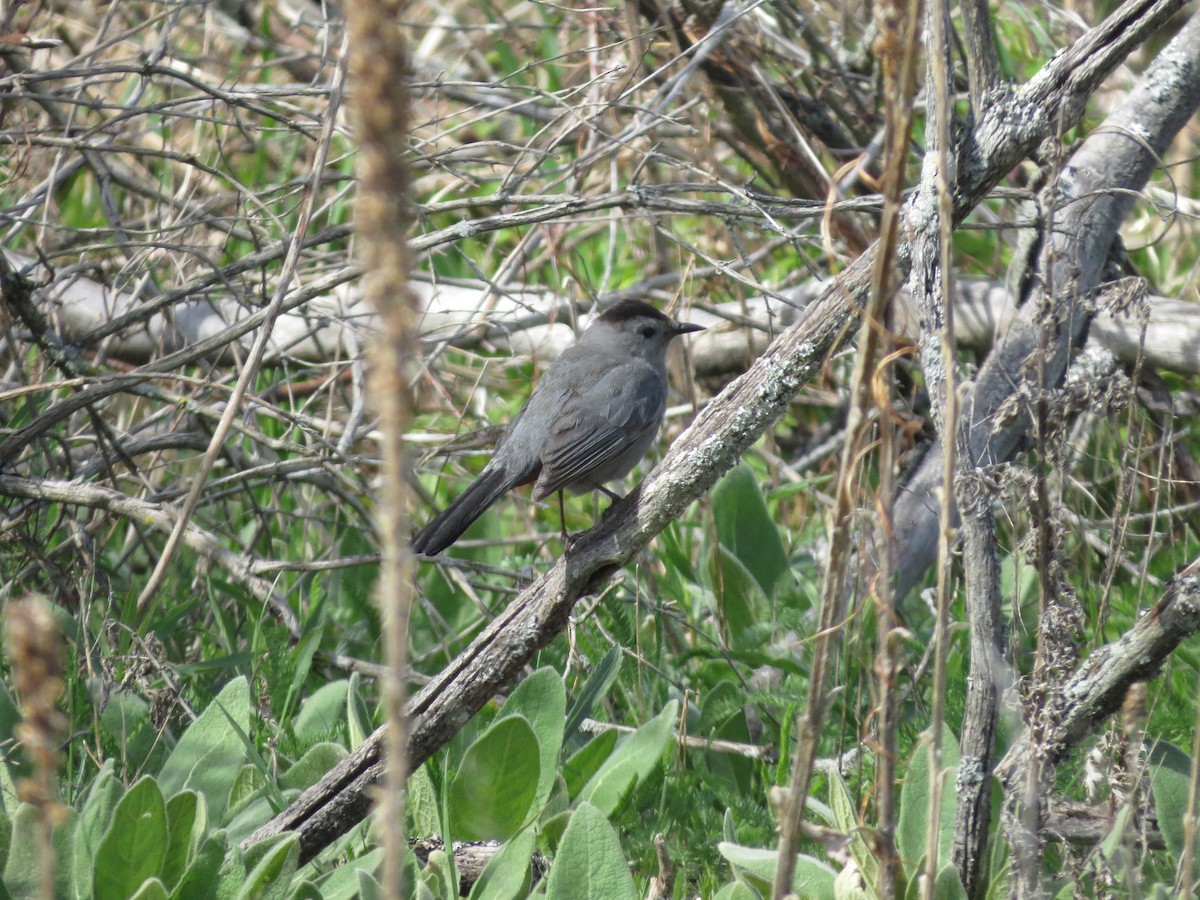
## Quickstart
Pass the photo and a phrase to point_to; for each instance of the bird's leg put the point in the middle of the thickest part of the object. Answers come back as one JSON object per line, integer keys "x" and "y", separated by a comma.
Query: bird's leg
{"x": 613, "y": 496}
{"x": 562, "y": 520}
{"x": 569, "y": 539}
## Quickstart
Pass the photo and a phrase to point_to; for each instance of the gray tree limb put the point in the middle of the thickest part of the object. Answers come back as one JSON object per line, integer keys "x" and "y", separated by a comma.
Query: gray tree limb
{"x": 1097, "y": 689}
{"x": 1095, "y": 191}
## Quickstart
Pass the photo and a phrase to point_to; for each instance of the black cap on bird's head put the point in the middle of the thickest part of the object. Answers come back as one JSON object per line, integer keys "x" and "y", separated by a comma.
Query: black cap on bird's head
{"x": 630, "y": 309}
{"x": 635, "y": 309}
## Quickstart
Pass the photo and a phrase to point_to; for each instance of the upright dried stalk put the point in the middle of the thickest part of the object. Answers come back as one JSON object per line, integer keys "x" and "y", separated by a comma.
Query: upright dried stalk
{"x": 36, "y": 654}
{"x": 898, "y": 48}
{"x": 379, "y": 68}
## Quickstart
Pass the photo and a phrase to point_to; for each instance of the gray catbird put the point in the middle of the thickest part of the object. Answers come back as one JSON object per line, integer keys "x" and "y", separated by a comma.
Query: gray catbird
{"x": 593, "y": 415}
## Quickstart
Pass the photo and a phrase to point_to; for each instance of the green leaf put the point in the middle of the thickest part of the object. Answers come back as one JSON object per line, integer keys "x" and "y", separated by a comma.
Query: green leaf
{"x": 506, "y": 876}
{"x": 589, "y": 863}
{"x": 302, "y": 657}
{"x": 735, "y": 890}
{"x": 247, "y": 786}
{"x": 542, "y": 700}
{"x": 312, "y": 766}
{"x": 1170, "y": 780}
{"x": 552, "y": 829}
{"x": 135, "y": 844}
{"x": 439, "y": 873}
{"x": 22, "y": 869}
{"x": 210, "y": 754}
{"x": 494, "y": 788}
{"x": 1113, "y": 844}
{"x": 126, "y": 722}
{"x": 559, "y": 800}
{"x": 343, "y": 884}
{"x": 5, "y": 835}
{"x": 722, "y": 699}
{"x": 948, "y": 885}
{"x": 368, "y": 887}
{"x": 357, "y": 716}
{"x": 742, "y": 606}
{"x": 913, "y": 821}
{"x": 812, "y": 879}
{"x": 305, "y": 890}
{"x": 423, "y": 803}
{"x": 586, "y": 762}
{"x": 151, "y": 889}
{"x": 200, "y": 879}
{"x": 635, "y": 757}
{"x": 92, "y": 824}
{"x": 728, "y": 830}
{"x": 320, "y": 716}
{"x": 272, "y": 876}
{"x": 10, "y": 716}
{"x": 594, "y": 688}
{"x": 252, "y": 815}
{"x": 187, "y": 823}
{"x": 232, "y": 875}
{"x": 724, "y": 718}
{"x": 745, "y": 527}
{"x": 845, "y": 818}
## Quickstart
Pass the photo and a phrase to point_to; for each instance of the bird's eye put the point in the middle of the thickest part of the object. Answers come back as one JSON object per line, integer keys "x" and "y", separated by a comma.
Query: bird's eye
{"x": 647, "y": 331}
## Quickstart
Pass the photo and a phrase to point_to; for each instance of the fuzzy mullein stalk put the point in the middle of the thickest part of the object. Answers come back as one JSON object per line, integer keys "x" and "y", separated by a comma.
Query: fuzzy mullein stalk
{"x": 35, "y": 652}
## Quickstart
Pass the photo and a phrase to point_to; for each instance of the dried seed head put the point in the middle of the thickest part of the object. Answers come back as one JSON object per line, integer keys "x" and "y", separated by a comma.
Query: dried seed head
{"x": 35, "y": 651}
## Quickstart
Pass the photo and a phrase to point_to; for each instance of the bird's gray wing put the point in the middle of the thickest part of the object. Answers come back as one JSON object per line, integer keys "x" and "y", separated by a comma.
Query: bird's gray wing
{"x": 603, "y": 430}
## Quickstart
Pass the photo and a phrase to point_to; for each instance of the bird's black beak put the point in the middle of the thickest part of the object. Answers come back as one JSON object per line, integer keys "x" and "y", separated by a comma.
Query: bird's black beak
{"x": 687, "y": 327}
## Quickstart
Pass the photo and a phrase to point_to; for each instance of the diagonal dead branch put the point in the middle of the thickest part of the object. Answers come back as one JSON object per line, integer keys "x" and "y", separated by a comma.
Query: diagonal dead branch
{"x": 1097, "y": 689}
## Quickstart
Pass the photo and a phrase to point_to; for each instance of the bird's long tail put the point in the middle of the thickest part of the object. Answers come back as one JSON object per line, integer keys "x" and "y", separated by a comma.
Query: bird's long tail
{"x": 448, "y": 526}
